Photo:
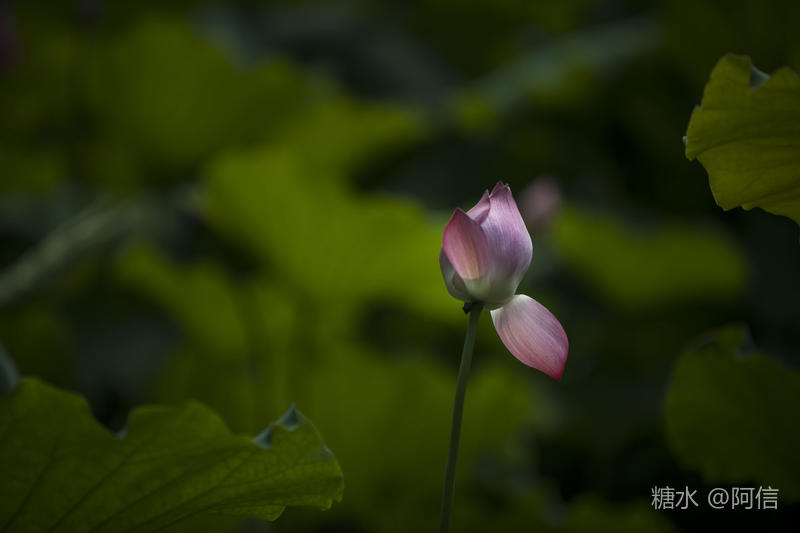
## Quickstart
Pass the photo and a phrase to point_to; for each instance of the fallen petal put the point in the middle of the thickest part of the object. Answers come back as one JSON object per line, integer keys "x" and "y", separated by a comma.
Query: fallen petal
{"x": 532, "y": 334}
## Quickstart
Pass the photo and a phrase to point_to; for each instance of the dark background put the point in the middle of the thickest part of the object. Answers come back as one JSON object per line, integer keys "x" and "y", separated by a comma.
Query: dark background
{"x": 243, "y": 203}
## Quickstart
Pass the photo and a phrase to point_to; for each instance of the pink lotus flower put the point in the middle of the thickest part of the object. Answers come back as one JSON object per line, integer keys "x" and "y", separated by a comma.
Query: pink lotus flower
{"x": 485, "y": 253}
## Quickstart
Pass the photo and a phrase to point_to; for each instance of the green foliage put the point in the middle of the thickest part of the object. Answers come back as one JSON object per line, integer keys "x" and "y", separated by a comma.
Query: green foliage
{"x": 40, "y": 91}
{"x": 63, "y": 472}
{"x": 32, "y": 171}
{"x": 155, "y": 113}
{"x": 746, "y": 133}
{"x": 553, "y": 76}
{"x": 31, "y": 101}
{"x": 650, "y": 268}
{"x": 402, "y": 404}
{"x": 240, "y": 338}
{"x": 156, "y": 116}
{"x": 337, "y": 136}
{"x": 290, "y": 169}
{"x": 35, "y": 334}
{"x": 406, "y": 415}
{"x": 727, "y": 414}
{"x": 200, "y": 298}
{"x": 314, "y": 231}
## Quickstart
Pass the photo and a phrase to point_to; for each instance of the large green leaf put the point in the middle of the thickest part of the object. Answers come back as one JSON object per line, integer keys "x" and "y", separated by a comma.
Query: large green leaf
{"x": 730, "y": 414}
{"x": 63, "y": 472}
{"x": 746, "y": 133}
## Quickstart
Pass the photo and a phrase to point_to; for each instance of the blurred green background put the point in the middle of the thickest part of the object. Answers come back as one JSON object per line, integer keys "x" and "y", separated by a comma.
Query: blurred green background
{"x": 242, "y": 203}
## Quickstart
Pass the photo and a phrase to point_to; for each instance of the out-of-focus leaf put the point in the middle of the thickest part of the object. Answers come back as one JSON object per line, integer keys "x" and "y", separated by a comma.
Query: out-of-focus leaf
{"x": 729, "y": 414}
{"x": 37, "y": 337}
{"x": 161, "y": 93}
{"x": 645, "y": 269}
{"x": 63, "y": 472}
{"x": 240, "y": 337}
{"x": 326, "y": 241}
{"x": 338, "y": 135}
{"x": 589, "y": 514}
{"x": 33, "y": 98}
{"x": 405, "y": 406}
{"x": 37, "y": 94}
{"x": 35, "y": 171}
{"x": 202, "y": 298}
{"x": 555, "y": 72}
{"x": 746, "y": 133}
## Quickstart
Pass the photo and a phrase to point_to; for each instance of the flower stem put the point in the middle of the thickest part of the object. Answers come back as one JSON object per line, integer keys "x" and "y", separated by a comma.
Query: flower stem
{"x": 458, "y": 409}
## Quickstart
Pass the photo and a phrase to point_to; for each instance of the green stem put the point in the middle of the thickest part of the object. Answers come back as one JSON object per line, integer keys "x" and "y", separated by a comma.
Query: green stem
{"x": 458, "y": 409}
